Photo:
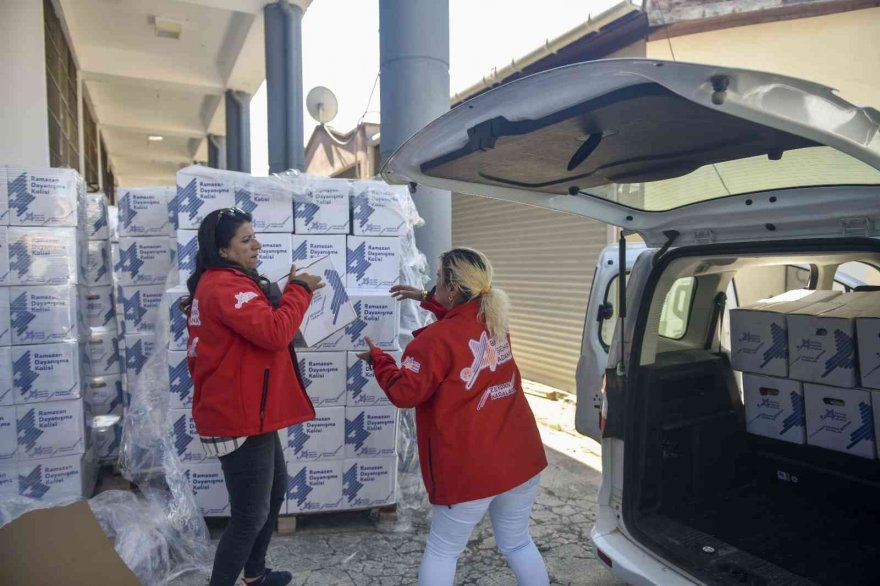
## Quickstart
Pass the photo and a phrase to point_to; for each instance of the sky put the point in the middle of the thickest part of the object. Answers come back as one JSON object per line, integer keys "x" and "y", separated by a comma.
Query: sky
{"x": 341, "y": 52}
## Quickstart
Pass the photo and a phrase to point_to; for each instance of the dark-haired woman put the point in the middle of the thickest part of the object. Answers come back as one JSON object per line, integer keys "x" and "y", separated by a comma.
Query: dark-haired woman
{"x": 247, "y": 386}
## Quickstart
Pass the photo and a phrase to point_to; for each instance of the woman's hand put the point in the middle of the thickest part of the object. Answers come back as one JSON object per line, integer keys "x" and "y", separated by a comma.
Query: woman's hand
{"x": 313, "y": 282}
{"x": 401, "y": 292}
{"x": 365, "y": 356}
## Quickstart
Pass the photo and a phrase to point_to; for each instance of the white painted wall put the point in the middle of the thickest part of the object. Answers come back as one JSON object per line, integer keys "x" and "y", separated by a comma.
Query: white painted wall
{"x": 24, "y": 128}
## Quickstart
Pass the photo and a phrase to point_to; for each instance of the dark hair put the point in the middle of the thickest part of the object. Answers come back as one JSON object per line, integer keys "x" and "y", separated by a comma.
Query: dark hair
{"x": 216, "y": 232}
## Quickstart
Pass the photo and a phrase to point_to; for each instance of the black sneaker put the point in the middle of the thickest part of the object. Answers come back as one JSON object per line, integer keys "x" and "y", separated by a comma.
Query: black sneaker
{"x": 272, "y": 578}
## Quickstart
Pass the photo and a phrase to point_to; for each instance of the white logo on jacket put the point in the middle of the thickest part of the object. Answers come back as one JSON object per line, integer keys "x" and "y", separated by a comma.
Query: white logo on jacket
{"x": 487, "y": 354}
{"x": 496, "y": 392}
{"x": 191, "y": 351}
{"x": 244, "y": 297}
{"x": 412, "y": 364}
{"x": 194, "y": 319}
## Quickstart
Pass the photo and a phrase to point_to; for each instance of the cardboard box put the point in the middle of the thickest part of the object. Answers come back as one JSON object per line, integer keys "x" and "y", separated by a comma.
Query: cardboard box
{"x": 379, "y": 209}
{"x": 56, "y": 478}
{"x": 67, "y": 541}
{"x": 308, "y": 249}
{"x": 179, "y": 331}
{"x": 200, "y": 191}
{"x": 179, "y": 380}
{"x": 4, "y": 255}
{"x": 143, "y": 261}
{"x": 330, "y": 309}
{"x": 45, "y": 256}
{"x": 43, "y": 314}
{"x": 377, "y": 317}
{"x": 8, "y": 434}
{"x": 99, "y": 307}
{"x": 138, "y": 350}
{"x": 49, "y": 430}
{"x": 775, "y": 408}
{"x": 46, "y": 372}
{"x": 323, "y": 374}
{"x": 106, "y": 431}
{"x": 822, "y": 339}
{"x": 102, "y": 356}
{"x": 361, "y": 386}
{"x": 8, "y": 478}
{"x": 144, "y": 211}
{"x": 325, "y": 208}
{"x": 100, "y": 266}
{"x": 273, "y": 261}
{"x": 868, "y": 342}
{"x": 6, "y": 393}
{"x": 97, "y": 225}
{"x": 187, "y": 248}
{"x": 372, "y": 262}
{"x": 140, "y": 307}
{"x": 186, "y": 438}
{"x": 209, "y": 488}
{"x": 322, "y": 438}
{"x": 840, "y": 419}
{"x": 370, "y": 432}
{"x": 314, "y": 486}
{"x": 47, "y": 197}
{"x": 759, "y": 332}
{"x": 106, "y": 395}
{"x": 5, "y": 324}
{"x": 369, "y": 482}
{"x": 268, "y": 200}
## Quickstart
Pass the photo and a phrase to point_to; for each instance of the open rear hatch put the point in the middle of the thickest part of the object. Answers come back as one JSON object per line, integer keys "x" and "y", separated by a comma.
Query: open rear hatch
{"x": 656, "y": 147}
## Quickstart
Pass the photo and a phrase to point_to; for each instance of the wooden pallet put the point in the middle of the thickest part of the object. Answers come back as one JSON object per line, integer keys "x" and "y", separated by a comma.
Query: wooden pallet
{"x": 287, "y": 524}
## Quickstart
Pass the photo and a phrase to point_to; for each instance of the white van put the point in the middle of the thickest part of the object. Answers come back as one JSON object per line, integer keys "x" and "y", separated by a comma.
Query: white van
{"x": 743, "y": 185}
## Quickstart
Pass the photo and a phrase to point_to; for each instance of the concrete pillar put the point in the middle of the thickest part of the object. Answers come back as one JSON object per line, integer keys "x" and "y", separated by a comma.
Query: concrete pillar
{"x": 284, "y": 86}
{"x": 24, "y": 107}
{"x": 414, "y": 77}
{"x": 216, "y": 151}
{"x": 238, "y": 131}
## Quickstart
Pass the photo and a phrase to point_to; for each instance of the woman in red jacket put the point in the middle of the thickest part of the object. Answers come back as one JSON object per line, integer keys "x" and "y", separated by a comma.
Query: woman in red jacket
{"x": 246, "y": 384}
{"x": 479, "y": 446}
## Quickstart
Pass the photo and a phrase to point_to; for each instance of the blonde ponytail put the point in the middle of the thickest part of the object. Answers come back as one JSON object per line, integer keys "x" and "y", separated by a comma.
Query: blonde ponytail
{"x": 472, "y": 272}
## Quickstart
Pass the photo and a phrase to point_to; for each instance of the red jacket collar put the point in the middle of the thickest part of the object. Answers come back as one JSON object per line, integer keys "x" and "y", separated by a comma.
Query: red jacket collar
{"x": 468, "y": 309}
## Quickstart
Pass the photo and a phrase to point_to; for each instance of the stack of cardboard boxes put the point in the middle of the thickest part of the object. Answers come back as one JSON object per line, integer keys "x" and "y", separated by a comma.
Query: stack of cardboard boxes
{"x": 811, "y": 364}
{"x": 45, "y": 450}
{"x": 349, "y": 233}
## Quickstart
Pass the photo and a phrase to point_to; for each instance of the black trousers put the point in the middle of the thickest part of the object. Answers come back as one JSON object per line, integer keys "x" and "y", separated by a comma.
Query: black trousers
{"x": 256, "y": 479}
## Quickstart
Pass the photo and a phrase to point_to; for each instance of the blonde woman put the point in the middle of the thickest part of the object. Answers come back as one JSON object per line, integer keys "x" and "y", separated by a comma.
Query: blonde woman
{"x": 478, "y": 441}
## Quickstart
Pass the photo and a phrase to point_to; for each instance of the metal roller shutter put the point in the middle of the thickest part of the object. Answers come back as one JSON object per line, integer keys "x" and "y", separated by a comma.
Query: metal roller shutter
{"x": 544, "y": 260}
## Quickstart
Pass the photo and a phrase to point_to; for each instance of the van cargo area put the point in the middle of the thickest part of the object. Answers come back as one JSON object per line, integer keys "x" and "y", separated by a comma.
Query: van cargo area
{"x": 724, "y": 504}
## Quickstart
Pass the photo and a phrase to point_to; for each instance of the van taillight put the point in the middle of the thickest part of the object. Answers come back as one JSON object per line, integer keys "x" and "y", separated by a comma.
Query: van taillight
{"x": 603, "y": 410}
{"x": 604, "y": 557}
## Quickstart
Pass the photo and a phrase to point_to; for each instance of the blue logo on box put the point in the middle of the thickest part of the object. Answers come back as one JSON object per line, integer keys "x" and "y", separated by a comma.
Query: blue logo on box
{"x": 351, "y": 487}
{"x": 179, "y": 379}
{"x": 23, "y": 377}
{"x": 135, "y": 357}
{"x": 358, "y": 264}
{"x": 307, "y": 382}
{"x": 182, "y": 439}
{"x": 301, "y": 252}
{"x": 356, "y": 328}
{"x": 19, "y": 198}
{"x": 778, "y": 347}
{"x": 796, "y": 417}
{"x": 32, "y": 485}
{"x": 244, "y": 201}
{"x": 132, "y": 308}
{"x": 126, "y": 210}
{"x": 355, "y": 431}
{"x": 356, "y": 380}
{"x": 307, "y": 212}
{"x": 28, "y": 432}
{"x": 178, "y": 323}
{"x": 19, "y": 259}
{"x": 186, "y": 254}
{"x": 188, "y": 201}
{"x": 19, "y": 315}
{"x": 298, "y": 488}
{"x": 129, "y": 260}
{"x": 362, "y": 210}
{"x": 101, "y": 222}
{"x": 297, "y": 437}
{"x": 844, "y": 357}
{"x": 115, "y": 357}
{"x": 339, "y": 294}
{"x": 865, "y": 432}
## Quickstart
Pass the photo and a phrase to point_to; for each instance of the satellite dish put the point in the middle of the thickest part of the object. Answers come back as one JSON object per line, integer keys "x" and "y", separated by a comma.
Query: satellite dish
{"x": 321, "y": 104}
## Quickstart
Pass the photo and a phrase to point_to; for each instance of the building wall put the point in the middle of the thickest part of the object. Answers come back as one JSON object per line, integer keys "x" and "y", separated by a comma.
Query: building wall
{"x": 838, "y": 50}
{"x": 24, "y": 139}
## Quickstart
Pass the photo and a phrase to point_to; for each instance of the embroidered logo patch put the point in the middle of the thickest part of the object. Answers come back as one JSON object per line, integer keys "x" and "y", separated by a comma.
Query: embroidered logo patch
{"x": 244, "y": 297}
{"x": 487, "y": 354}
{"x": 411, "y": 364}
{"x": 194, "y": 319}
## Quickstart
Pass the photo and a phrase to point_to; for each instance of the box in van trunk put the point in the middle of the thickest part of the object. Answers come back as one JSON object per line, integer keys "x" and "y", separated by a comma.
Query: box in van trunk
{"x": 774, "y": 408}
{"x": 840, "y": 419}
{"x": 758, "y": 332}
{"x": 822, "y": 339}
{"x": 868, "y": 342}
